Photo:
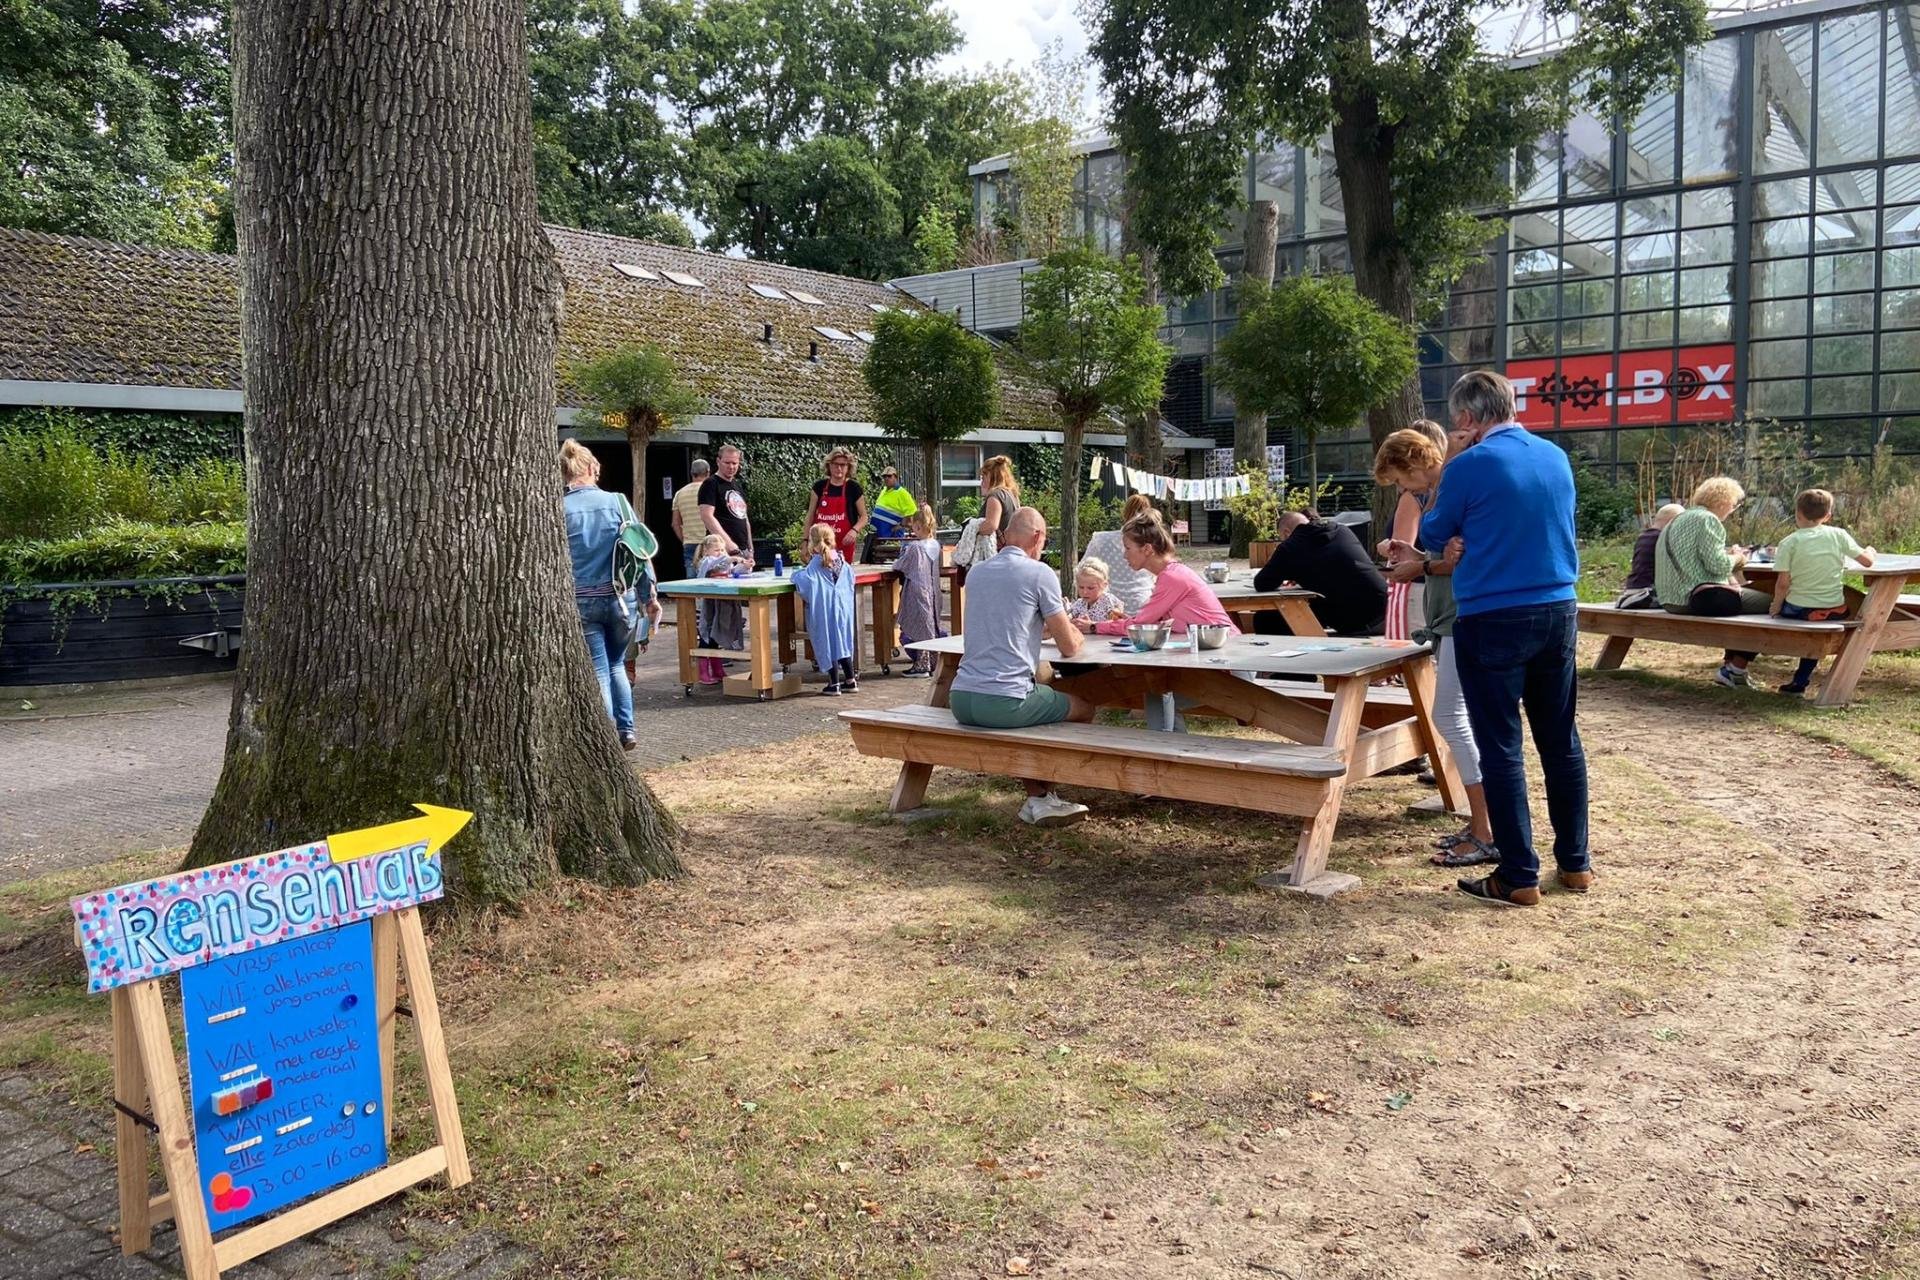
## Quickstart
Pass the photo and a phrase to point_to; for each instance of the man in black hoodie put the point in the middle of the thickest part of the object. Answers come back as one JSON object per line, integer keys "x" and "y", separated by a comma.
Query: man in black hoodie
{"x": 1325, "y": 557}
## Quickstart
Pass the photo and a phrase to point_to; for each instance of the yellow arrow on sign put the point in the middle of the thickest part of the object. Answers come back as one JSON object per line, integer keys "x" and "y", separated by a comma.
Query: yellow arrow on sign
{"x": 436, "y": 827}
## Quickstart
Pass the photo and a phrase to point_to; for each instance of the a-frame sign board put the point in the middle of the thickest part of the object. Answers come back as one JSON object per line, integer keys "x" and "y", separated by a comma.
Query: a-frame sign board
{"x": 290, "y": 966}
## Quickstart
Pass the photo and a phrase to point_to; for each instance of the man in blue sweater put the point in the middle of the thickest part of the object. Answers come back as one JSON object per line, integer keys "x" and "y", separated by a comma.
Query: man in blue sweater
{"x": 1510, "y": 499}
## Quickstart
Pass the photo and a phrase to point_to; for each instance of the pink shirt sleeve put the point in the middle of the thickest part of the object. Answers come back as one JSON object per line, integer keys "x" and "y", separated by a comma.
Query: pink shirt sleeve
{"x": 1179, "y": 596}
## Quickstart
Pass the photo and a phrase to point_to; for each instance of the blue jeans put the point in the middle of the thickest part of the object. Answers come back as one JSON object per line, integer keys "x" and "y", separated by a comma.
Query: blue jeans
{"x": 687, "y": 553}
{"x": 606, "y": 633}
{"x": 1509, "y": 658}
{"x": 1804, "y": 673}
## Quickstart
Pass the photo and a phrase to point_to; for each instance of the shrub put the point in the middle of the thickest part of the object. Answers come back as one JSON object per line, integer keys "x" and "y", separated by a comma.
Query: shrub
{"x": 967, "y": 507}
{"x": 123, "y": 549}
{"x": 210, "y": 490}
{"x": 1601, "y": 508}
{"x": 50, "y": 483}
{"x": 130, "y": 488}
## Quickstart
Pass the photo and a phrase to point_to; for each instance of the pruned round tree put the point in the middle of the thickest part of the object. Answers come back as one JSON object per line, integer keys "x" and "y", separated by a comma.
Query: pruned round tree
{"x": 1312, "y": 351}
{"x": 1088, "y": 339}
{"x": 932, "y": 382}
{"x": 410, "y": 632}
{"x": 636, "y": 390}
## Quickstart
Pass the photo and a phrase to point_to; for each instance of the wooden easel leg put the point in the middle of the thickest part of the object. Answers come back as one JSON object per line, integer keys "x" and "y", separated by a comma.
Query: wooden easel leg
{"x": 155, "y": 1044}
{"x": 1613, "y": 653}
{"x": 433, "y": 1045}
{"x": 1851, "y": 662}
{"x": 1420, "y": 684}
{"x": 129, "y": 1139}
{"x": 386, "y": 1000}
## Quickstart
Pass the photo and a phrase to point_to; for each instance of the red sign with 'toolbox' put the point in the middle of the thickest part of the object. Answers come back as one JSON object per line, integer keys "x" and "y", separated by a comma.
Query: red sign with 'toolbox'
{"x": 1633, "y": 388}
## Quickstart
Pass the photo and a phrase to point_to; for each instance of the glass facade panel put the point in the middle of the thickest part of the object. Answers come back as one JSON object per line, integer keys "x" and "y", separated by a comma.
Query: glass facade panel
{"x": 1782, "y": 99}
{"x": 1587, "y": 156}
{"x": 1843, "y": 311}
{"x": 1650, "y": 144}
{"x": 1784, "y": 278}
{"x": 1706, "y": 324}
{"x": 1900, "y": 350}
{"x": 1899, "y": 267}
{"x": 1903, "y": 224}
{"x": 1902, "y": 79}
{"x": 1276, "y": 177}
{"x": 1852, "y": 354}
{"x": 1710, "y": 132}
{"x": 1778, "y": 359}
{"x": 1843, "y": 395}
{"x": 1900, "y": 391}
{"x": 1106, "y": 183}
{"x": 1782, "y": 399}
{"x": 1778, "y": 319}
{"x": 1647, "y": 329}
{"x": 1326, "y": 209}
{"x": 1900, "y": 309}
{"x": 1849, "y": 89}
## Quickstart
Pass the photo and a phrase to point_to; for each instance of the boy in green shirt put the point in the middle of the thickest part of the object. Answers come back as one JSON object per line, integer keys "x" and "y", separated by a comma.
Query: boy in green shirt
{"x": 1811, "y": 563}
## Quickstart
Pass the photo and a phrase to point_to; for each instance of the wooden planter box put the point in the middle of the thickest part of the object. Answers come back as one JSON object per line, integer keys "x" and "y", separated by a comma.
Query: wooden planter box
{"x": 1258, "y": 553}
{"x": 87, "y": 632}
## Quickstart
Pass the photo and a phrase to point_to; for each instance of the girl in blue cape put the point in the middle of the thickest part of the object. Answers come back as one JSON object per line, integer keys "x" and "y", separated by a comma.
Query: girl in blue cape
{"x": 825, "y": 586}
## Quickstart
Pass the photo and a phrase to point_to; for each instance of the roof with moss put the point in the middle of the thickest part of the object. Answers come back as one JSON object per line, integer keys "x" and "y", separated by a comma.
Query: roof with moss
{"x": 74, "y": 309}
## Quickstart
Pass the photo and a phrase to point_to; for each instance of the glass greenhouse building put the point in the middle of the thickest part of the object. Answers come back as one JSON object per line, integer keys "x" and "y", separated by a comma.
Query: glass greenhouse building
{"x": 1749, "y": 246}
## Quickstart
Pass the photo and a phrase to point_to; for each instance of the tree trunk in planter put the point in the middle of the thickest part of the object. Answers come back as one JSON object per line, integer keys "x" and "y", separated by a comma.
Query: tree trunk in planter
{"x": 641, "y": 424}
{"x": 410, "y": 631}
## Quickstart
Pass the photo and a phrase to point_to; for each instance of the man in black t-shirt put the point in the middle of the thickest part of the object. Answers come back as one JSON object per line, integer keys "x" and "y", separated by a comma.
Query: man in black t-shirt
{"x": 1325, "y": 557}
{"x": 723, "y": 504}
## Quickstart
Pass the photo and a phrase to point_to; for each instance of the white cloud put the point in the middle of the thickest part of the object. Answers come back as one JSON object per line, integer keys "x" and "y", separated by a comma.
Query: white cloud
{"x": 1001, "y": 31}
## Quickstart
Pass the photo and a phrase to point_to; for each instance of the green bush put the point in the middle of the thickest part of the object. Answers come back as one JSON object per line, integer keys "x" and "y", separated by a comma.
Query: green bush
{"x": 50, "y": 483}
{"x": 122, "y": 549}
{"x": 130, "y": 488}
{"x": 168, "y": 441}
{"x": 1601, "y": 508}
{"x": 212, "y": 490}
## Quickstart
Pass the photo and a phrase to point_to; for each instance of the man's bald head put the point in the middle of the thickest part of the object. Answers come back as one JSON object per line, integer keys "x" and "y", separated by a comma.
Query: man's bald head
{"x": 1027, "y": 531}
{"x": 1288, "y": 522}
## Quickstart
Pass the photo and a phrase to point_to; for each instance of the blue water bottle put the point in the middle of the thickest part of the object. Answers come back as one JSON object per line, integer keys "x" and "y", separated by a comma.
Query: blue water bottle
{"x": 779, "y": 565}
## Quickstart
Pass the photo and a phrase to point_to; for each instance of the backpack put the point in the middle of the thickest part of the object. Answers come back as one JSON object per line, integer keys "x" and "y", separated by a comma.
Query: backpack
{"x": 974, "y": 546}
{"x": 633, "y": 550}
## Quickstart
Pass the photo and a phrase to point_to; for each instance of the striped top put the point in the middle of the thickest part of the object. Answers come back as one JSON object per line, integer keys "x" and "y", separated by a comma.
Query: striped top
{"x": 1692, "y": 551}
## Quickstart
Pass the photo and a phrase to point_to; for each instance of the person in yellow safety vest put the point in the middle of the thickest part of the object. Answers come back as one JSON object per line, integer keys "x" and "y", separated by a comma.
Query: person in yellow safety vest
{"x": 894, "y": 507}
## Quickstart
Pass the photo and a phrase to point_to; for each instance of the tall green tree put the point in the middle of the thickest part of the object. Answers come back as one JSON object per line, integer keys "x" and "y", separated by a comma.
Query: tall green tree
{"x": 114, "y": 119}
{"x": 1425, "y": 117}
{"x": 636, "y": 390}
{"x": 932, "y": 382}
{"x": 1313, "y": 352}
{"x": 1088, "y": 338}
{"x": 603, "y": 154}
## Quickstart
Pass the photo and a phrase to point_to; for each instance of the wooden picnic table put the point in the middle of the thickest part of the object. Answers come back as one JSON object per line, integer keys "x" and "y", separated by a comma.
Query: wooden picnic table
{"x": 1883, "y": 620}
{"x": 1240, "y": 598}
{"x": 775, "y": 622}
{"x": 1353, "y": 737}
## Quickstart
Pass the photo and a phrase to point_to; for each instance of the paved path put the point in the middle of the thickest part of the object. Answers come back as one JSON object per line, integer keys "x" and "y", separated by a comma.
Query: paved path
{"x": 88, "y": 777}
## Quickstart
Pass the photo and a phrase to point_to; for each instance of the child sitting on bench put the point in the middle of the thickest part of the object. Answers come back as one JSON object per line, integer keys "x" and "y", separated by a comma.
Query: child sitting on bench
{"x": 1812, "y": 563}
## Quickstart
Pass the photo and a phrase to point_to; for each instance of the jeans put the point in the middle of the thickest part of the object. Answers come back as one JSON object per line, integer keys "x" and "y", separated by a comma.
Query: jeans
{"x": 1450, "y": 711}
{"x": 687, "y": 553}
{"x": 606, "y": 633}
{"x": 1804, "y": 672}
{"x": 1163, "y": 712}
{"x": 1509, "y": 658}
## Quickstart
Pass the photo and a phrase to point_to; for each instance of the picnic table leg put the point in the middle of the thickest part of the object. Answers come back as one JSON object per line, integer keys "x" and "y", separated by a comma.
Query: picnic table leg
{"x": 760, "y": 623}
{"x": 910, "y": 788}
{"x": 1858, "y": 644}
{"x": 1613, "y": 653}
{"x": 1420, "y": 684}
{"x": 1309, "y": 872}
{"x": 788, "y": 625}
{"x": 1300, "y": 617}
{"x": 686, "y": 625}
{"x": 884, "y": 593}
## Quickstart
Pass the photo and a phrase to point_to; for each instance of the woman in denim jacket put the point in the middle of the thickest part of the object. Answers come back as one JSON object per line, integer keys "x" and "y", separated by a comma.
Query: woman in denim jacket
{"x": 594, "y": 517}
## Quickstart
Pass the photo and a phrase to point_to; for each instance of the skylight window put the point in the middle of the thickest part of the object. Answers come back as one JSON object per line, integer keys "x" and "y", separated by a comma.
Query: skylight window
{"x": 828, "y": 331}
{"x": 878, "y": 308}
{"x": 638, "y": 273}
{"x": 681, "y": 277}
{"x": 800, "y": 295}
{"x": 768, "y": 291}
{"x": 863, "y": 335}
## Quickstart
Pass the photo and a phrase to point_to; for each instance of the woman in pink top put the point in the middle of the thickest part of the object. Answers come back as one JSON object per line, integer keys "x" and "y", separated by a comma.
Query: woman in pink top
{"x": 1179, "y": 595}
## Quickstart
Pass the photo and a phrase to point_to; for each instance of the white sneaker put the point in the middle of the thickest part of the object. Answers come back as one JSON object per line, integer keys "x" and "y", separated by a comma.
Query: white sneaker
{"x": 1050, "y": 810}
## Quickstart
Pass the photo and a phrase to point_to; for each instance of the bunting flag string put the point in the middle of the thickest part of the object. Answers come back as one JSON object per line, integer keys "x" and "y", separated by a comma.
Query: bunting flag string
{"x": 1174, "y": 488}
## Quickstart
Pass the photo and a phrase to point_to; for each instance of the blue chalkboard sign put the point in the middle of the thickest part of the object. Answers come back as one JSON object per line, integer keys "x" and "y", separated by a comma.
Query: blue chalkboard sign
{"x": 283, "y": 1049}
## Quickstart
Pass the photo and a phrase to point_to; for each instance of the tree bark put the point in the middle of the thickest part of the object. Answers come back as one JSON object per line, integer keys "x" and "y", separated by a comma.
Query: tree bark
{"x": 641, "y": 424}
{"x": 1262, "y": 241}
{"x": 1071, "y": 466}
{"x": 1146, "y": 447}
{"x": 930, "y": 473}
{"x": 410, "y": 632}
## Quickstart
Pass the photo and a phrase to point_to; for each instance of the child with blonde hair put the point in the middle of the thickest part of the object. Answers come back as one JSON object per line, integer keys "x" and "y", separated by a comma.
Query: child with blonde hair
{"x": 1092, "y": 601}
{"x": 919, "y": 570}
{"x": 1812, "y": 566}
{"x": 825, "y": 586}
{"x": 723, "y": 623}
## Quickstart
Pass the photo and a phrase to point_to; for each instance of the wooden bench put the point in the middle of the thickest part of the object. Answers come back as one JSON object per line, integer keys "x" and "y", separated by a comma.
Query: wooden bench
{"x": 1269, "y": 777}
{"x": 1753, "y": 632}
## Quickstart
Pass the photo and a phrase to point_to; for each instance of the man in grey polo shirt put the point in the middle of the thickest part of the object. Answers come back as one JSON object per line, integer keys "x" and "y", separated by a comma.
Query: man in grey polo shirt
{"x": 1012, "y": 600}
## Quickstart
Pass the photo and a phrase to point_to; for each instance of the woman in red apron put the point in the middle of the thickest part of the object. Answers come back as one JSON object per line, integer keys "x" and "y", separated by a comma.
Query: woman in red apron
{"x": 841, "y": 504}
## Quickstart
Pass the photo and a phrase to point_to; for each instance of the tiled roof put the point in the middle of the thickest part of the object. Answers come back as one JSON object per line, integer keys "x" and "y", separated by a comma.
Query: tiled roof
{"x": 80, "y": 310}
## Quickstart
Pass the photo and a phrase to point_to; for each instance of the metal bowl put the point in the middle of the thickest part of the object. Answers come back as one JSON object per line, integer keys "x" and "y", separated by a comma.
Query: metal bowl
{"x": 1149, "y": 635}
{"x": 1210, "y": 635}
{"x": 1216, "y": 573}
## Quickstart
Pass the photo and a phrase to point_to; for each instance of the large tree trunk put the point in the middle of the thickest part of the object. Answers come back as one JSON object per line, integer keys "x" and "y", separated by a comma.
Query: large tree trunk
{"x": 1146, "y": 447}
{"x": 1363, "y": 146}
{"x": 1071, "y": 466}
{"x": 1262, "y": 241}
{"x": 410, "y": 635}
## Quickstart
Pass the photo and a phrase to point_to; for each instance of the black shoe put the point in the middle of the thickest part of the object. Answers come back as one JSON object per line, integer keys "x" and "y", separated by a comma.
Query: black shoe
{"x": 831, "y": 691}
{"x": 851, "y": 684}
{"x": 1793, "y": 690}
{"x": 1494, "y": 894}
{"x": 1426, "y": 779}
